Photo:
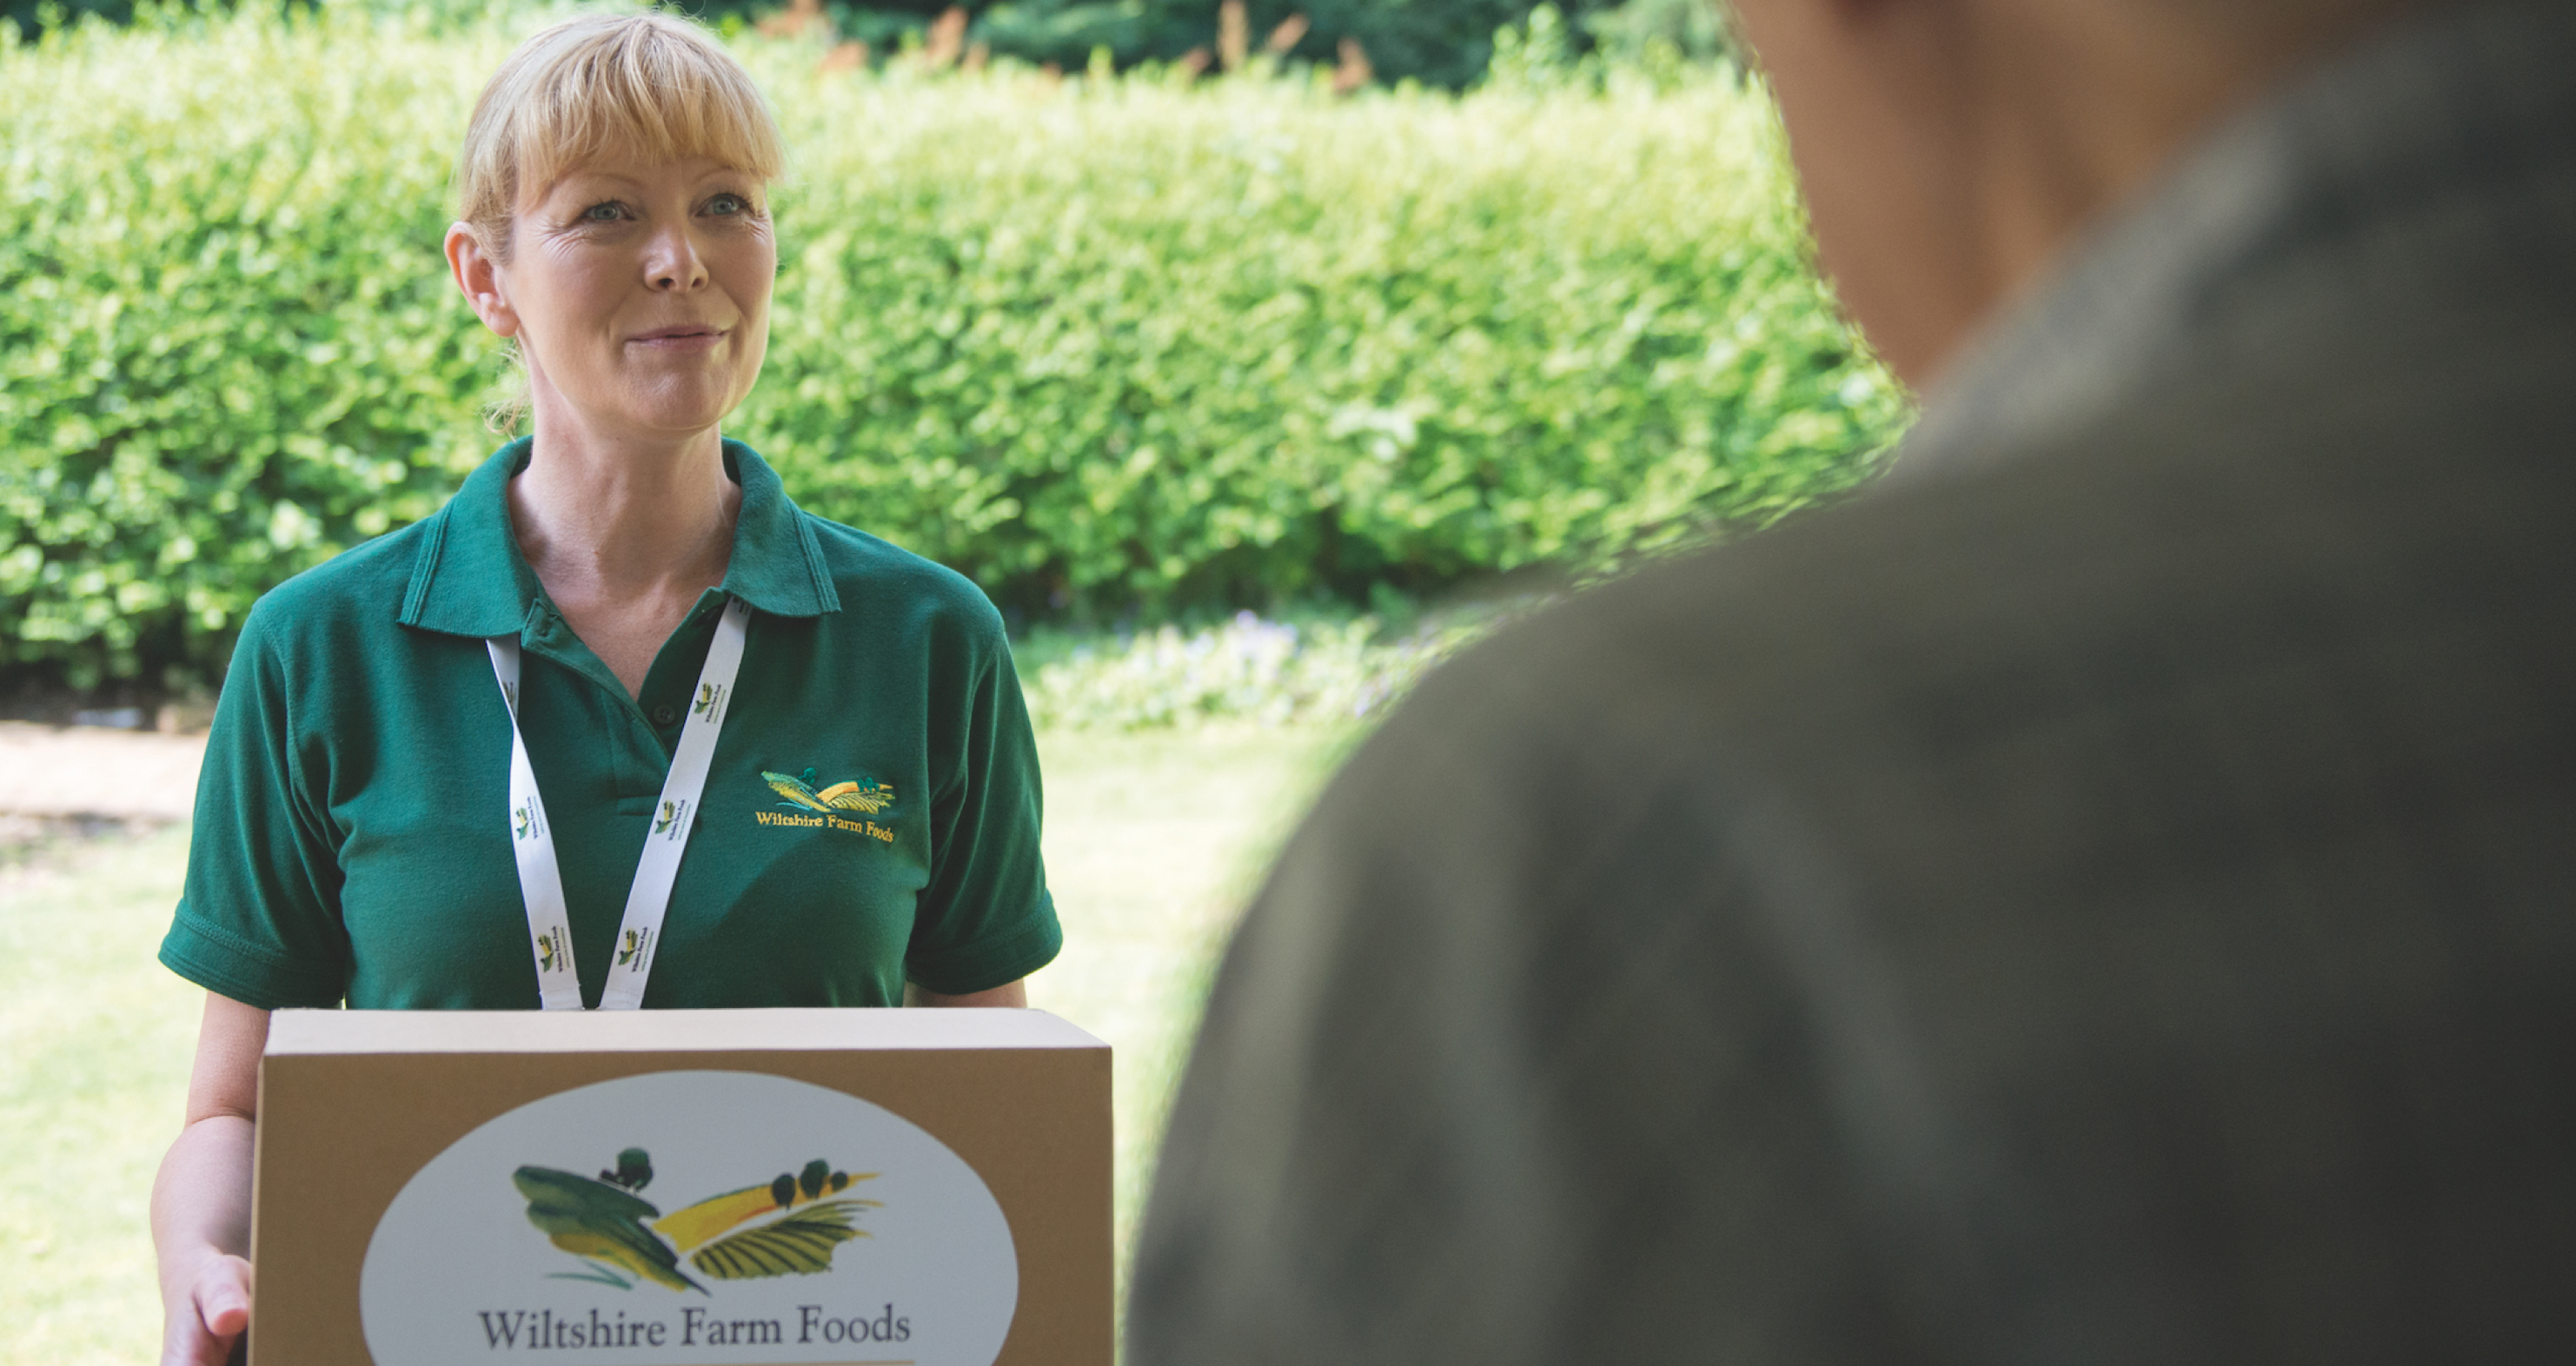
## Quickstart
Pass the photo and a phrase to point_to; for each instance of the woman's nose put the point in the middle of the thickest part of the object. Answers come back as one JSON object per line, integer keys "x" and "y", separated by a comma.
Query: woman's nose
{"x": 673, "y": 263}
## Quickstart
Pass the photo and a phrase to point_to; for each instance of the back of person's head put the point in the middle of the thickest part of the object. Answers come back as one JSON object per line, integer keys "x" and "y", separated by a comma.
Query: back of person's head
{"x": 1950, "y": 150}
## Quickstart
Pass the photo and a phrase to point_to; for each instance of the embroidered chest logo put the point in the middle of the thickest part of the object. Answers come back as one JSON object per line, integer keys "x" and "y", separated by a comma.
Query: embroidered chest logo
{"x": 836, "y": 807}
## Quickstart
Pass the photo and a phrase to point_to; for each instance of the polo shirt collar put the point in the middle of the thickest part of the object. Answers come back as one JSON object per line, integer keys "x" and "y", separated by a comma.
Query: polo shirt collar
{"x": 777, "y": 564}
{"x": 471, "y": 579}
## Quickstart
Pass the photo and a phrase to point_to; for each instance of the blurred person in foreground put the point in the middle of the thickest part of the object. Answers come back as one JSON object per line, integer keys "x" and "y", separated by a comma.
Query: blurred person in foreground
{"x": 2103, "y": 895}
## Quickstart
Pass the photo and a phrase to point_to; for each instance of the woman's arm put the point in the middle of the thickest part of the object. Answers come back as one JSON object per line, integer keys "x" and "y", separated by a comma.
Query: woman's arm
{"x": 201, "y": 1201}
{"x": 1014, "y": 995}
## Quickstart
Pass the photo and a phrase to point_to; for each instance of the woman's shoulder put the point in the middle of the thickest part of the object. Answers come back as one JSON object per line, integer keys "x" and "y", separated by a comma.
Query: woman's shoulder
{"x": 868, "y": 568}
{"x": 341, "y": 600}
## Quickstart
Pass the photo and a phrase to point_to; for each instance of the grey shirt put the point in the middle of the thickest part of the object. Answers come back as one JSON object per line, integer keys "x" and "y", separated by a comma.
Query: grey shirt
{"x": 2104, "y": 896}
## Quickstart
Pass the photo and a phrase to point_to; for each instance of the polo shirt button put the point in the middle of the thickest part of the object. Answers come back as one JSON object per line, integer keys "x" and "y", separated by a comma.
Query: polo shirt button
{"x": 663, "y": 716}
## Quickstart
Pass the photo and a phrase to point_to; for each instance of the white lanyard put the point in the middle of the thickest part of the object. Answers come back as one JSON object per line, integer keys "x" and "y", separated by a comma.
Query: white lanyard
{"x": 649, "y": 899}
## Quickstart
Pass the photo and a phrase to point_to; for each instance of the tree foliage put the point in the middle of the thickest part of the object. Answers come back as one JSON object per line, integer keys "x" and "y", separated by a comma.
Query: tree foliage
{"x": 1438, "y": 42}
{"x": 1444, "y": 43}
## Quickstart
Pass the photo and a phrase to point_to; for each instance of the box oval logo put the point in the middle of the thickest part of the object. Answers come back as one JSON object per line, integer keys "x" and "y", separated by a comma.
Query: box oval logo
{"x": 692, "y": 1218}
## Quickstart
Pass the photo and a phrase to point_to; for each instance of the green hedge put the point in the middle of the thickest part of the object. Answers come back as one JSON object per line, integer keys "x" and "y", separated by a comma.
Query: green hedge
{"x": 1108, "y": 346}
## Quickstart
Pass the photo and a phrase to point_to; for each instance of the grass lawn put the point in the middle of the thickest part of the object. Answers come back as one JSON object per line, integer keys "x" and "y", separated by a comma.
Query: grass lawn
{"x": 1152, "y": 842}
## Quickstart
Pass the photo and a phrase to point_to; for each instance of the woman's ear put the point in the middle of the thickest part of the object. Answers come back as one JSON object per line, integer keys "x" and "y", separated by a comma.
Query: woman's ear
{"x": 478, "y": 277}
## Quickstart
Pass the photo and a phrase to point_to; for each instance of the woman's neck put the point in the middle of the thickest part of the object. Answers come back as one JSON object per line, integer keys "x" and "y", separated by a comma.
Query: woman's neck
{"x": 625, "y": 536}
{"x": 618, "y": 523}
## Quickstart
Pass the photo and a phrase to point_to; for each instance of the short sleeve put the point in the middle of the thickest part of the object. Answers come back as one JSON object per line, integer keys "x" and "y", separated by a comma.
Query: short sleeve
{"x": 985, "y": 919}
{"x": 259, "y": 919}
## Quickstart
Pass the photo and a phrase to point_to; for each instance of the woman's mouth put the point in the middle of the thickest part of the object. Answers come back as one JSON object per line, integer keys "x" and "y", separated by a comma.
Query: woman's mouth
{"x": 680, "y": 337}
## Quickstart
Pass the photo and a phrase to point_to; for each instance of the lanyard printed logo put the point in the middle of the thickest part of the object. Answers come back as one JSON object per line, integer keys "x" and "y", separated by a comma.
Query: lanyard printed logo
{"x": 554, "y": 952}
{"x": 634, "y": 949}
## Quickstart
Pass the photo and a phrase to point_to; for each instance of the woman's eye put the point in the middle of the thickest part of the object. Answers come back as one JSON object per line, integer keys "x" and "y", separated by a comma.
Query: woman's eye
{"x": 607, "y": 212}
{"x": 727, "y": 203}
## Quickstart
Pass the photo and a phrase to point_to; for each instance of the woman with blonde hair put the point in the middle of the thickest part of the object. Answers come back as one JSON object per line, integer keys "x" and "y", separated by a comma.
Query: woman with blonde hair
{"x": 620, "y": 725}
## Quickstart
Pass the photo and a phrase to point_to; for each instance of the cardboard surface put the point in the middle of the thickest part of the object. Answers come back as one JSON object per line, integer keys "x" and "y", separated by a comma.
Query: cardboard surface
{"x": 354, "y": 1104}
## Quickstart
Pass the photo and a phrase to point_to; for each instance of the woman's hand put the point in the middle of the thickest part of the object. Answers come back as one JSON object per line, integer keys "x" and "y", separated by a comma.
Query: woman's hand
{"x": 201, "y": 1203}
{"x": 201, "y": 1329}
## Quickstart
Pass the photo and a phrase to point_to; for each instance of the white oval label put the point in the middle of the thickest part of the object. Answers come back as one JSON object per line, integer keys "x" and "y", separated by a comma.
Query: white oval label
{"x": 694, "y": 1219}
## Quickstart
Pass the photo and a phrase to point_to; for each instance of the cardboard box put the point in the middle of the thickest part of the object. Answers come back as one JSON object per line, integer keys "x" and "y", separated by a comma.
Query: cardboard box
{"x": 682, "y": 1188}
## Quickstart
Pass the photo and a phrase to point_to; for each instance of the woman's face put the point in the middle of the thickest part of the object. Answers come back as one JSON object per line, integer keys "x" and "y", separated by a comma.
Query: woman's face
{"x": 640, "y": 292}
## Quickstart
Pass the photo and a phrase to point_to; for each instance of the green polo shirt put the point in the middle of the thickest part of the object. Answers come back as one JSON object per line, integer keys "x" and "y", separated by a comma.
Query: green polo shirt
{"x": 352, "y": 831}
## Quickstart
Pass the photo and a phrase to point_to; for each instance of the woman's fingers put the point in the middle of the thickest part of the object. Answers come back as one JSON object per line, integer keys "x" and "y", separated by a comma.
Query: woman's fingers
{"x": 223, "y": 1296}
{"x": 221, "y": 1300}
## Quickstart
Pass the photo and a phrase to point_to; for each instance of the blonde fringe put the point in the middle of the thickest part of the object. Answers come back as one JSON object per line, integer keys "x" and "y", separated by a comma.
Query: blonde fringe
{"x": 653, "y": 84}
